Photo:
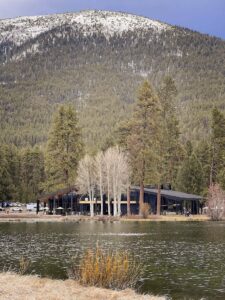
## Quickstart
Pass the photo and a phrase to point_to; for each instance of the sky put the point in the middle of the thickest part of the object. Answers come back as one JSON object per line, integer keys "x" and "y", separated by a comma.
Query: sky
{"x": 206, "y": 16}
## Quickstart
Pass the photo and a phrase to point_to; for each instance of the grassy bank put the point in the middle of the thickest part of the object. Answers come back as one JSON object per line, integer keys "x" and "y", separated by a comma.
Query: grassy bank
{"x": 32, "y": 217}
{"x": 17, "y": 287}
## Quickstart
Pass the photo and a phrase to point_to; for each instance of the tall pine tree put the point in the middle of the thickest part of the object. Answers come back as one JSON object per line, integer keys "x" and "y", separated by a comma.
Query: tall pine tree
{"x": 142, "y": 138}
{"x": 190, "y": 174}
{"x": 217, "y": 147}
{"x": 9, "y": 173}
{"x": 32, "y": 173}
{"x": 170, "y": 147}
{"x": 64, "y": 148}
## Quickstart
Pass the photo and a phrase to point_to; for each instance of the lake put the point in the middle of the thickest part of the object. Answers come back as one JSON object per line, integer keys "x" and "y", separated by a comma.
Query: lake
{"x": 184, "y": 260}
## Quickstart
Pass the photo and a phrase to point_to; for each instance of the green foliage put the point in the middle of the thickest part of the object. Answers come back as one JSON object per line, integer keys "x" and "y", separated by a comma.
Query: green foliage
{"x": 21, "y": 173}
{"x": 143, "y": 136}
{"x": 170, "y": 148}
{"x": 9, "y": 173}
{"x": 32, "y": 173}
{"x": 217, "y": 147}
{"x": 64, "y": 148}
{"x": 190, "y": 174}
{"x": 203, "y": 154}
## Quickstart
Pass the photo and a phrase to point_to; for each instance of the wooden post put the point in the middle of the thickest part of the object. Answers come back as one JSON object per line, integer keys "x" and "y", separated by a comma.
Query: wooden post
{"x": 141, "y": 196}
{"x": 38, "y": 206}
{"x": 158, "y": 200}
{"x": 128, "y": 200}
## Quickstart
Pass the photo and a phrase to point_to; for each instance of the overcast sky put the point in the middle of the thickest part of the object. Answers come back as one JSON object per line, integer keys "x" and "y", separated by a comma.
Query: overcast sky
{"x": 207, "y": 16}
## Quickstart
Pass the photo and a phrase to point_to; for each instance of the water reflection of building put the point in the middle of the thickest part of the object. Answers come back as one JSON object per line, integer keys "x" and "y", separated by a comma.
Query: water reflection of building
{"x": 68, "y": 201}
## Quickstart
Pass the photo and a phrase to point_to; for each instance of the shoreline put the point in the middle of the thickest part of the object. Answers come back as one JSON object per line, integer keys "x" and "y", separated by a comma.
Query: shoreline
{"x": 33, "y": 217}
{"x": 18, "y": 287}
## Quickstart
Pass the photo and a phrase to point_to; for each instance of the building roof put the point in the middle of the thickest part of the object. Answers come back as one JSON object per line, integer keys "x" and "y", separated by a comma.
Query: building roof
{"x": 61, "y": 192}
{"x": 169, "y": 194}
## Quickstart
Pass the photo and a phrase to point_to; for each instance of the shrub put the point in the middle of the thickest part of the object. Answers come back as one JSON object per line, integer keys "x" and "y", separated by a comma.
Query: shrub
{"x": 145, "y": 210}
{"x": 112, "y": 270}
{"x": 216, "y": 202}
{"x": 24, "y": 265}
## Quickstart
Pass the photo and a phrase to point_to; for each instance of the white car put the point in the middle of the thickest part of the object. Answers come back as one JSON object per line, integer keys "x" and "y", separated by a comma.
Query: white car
{"x": 17, "y": 209}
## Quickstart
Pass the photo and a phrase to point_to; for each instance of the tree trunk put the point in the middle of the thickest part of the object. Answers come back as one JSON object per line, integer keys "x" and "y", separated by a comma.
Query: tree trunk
{"x": 109, "y": 204}
{"x": 128, "y": 200}
{"x": 211, "y": 168}
{"x": 66, "y": 174}
{"x": 141, "y": 196}
{"x": 114, "y": 205}
{"x": 101, "y": 192}
{"x": 159, "y": 200}
{"x": 101, "y": 203}
{"x": 91, "y": 202}
{"x": 119, "y": 194}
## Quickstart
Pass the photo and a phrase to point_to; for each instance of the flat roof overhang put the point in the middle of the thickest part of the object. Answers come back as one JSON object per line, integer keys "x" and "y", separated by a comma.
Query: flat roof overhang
{"x": 169, "y": 194}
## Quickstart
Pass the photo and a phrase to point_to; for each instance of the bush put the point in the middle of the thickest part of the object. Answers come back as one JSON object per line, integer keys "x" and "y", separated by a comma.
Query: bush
{"x": 112, "y": 270}
{"x": 145, "y": 210}
{"x": 24, "y": 264}
{"x": 216, "y": 203}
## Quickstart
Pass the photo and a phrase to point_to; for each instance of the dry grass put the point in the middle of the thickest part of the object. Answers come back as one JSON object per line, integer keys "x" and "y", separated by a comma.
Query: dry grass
{"x": 167, "y": 218}
{"x": 24, "y": 265}
{"x": 32, "y": 217}
{"x": 16, "y": 287}
{"x": 145, "y": 210}
{"x": 114, "y": 270}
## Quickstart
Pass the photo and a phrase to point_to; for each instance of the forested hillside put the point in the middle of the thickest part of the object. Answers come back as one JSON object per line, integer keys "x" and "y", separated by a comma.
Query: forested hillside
{"x": 99, "y": 69}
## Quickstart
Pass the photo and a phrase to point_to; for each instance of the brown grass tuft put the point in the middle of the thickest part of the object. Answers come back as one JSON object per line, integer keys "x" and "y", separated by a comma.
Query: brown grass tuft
{"x": 145, "y": 210}
{"x": 24, "y": 265}
{"x": 112, "y": 270}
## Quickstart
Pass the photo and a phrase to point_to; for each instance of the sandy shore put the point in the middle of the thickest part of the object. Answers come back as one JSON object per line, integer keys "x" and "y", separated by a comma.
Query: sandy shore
{"x": 33, "y": 217}
{"x": 16, "y": 287}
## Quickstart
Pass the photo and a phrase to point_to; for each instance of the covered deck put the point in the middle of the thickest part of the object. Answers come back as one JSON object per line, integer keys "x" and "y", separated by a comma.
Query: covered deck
{"x": 64, "y": 201}
{"x": 171, "y": 201}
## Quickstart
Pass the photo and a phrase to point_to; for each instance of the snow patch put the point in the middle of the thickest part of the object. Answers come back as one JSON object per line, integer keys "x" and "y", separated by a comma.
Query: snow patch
{"x": 20, "y": 30}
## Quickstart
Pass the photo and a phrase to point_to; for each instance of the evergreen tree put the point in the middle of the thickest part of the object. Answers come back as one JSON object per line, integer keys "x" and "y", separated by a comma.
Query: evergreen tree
{"x": 142, "y": 138}
{"x": 32, "y": 173}
{"x": 9, "y": 173}
{"x": 217, "y": 147}
{"x": 64, "y": 148}
{"x": 203, "y": 154}
{"x": 190, "y": 174}
{"x": 170, "y": 148}
{"x": 5, "y": 180}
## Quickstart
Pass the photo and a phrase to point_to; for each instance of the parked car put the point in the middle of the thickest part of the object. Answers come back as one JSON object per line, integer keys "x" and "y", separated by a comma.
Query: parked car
{"x": 31, "y": 206}
{"x": 17, "y": 209}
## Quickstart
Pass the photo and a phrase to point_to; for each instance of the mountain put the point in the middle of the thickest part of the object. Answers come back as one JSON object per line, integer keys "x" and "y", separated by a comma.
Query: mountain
{"x": 96, "y": 60}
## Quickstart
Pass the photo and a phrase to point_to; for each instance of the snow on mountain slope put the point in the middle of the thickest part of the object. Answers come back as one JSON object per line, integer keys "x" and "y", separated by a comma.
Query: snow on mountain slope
{"x": 19, "y": 30}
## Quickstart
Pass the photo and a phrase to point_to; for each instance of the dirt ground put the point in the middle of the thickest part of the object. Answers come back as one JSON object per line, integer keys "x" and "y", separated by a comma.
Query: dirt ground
{"x": 16, "y": 287}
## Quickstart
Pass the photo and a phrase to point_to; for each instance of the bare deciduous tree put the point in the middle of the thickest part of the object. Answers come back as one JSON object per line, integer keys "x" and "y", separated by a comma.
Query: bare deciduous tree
{"x": 86, "y": 179}
{"x": 117, "y": 175}
{"x": 108, "y": 158}
{"x": 99, "y": 168}
{"x": 109, "y": 173}
{"x": 216, "y": 202}
{"x": 122, "y": 176}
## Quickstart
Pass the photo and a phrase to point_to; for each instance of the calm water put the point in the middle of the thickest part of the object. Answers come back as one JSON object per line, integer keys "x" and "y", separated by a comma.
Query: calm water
{"x": 182, "y": 260}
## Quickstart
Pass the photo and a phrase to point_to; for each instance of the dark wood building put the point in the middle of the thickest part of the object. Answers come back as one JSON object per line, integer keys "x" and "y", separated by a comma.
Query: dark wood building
{"x": 68, "y": 201}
